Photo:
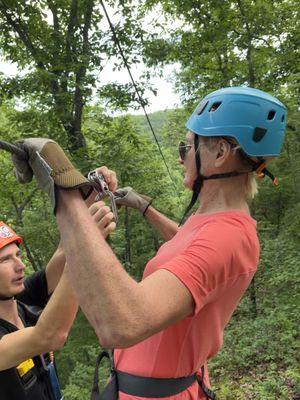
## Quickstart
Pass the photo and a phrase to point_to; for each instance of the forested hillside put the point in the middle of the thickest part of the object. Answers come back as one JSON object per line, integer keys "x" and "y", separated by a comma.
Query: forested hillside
{"x": 57, "y": 94}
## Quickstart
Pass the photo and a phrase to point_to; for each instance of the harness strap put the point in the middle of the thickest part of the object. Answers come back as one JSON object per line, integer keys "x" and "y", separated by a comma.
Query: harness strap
{"x": 153, "y": 387}
{"x": 141, "y": 386}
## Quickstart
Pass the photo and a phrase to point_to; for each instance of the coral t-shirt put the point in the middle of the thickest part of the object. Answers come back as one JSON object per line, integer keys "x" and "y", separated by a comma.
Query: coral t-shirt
{"x": 215, "y": 256}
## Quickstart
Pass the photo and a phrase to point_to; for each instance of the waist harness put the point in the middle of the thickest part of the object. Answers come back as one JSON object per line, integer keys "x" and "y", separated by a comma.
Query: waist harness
{"x": 143, "y": 386}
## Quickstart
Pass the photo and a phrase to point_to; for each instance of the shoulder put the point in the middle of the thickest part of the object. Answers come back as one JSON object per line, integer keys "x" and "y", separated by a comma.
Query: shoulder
{"x": 225, "y": 242}
{"x": 225, "y": 228}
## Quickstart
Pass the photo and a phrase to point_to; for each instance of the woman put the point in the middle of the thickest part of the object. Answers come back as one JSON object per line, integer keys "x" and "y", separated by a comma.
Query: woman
{"x": 172, "y": 322}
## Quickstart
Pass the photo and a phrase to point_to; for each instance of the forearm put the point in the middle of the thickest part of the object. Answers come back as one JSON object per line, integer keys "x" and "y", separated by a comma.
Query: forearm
{"x": 50, "y": 332}
{"x": 57, "y": 318}
{"x": 54, "y": 268}
{"x": 17, "y": 347}
{"x": 108, "y": 296}
{"x": 165, "y": 226}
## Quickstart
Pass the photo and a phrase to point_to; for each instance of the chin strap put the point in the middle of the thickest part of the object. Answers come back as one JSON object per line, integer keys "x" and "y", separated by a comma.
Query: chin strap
{"x": 3, "y": 298}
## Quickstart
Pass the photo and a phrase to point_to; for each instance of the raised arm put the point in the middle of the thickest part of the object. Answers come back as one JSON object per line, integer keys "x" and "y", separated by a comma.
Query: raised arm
{"x": 54, "y": 324}
{"x": 130, "y": 198}
{"x": 55, "y": 266}
{"x": 122, "y": 311}
{"x": 50, "y": 333}
{"x": 164, "y": 225}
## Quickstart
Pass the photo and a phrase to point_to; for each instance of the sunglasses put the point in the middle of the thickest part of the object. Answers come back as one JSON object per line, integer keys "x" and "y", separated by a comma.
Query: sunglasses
{"x": 183, "y": 149}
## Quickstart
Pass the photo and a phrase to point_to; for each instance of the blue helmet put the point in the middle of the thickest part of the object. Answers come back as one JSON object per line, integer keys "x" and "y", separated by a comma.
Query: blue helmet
{"x": 254, "y": 118}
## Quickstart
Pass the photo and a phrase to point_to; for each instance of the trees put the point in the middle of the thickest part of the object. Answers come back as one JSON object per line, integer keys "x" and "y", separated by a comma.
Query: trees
{"x": 218, "y": 44}
{"x": 61, "y": 47}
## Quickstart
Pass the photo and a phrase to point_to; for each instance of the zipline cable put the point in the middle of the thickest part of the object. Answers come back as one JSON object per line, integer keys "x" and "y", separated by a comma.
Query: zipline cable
{"x": 137, "y": 92}
{"x": 11, "y": 148}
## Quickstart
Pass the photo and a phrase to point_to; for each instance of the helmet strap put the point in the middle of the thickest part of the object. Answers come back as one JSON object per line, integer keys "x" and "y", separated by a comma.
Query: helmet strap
{"x": 3, "y": 298}
{"x": 198, "y": 183}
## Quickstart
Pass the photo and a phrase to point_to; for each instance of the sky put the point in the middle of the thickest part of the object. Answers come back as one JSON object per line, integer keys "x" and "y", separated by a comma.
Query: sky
{"x": 166, "y": 97}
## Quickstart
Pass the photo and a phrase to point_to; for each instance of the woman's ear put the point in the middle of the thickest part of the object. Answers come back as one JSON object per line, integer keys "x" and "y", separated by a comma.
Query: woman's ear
{"x": 223, "y": 150}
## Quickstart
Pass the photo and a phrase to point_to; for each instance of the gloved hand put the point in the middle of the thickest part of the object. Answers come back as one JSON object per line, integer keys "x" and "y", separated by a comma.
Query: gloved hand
{"x": 49, "y": 164}
{"x": 128, "y": 197}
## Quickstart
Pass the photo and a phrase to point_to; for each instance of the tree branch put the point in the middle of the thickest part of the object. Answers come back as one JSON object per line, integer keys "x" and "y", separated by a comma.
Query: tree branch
{"x": 22, "y": 34}
{"x": 78, "y": 95}
{"x": 70, "y": 31}
{"x": 27, "y": 200}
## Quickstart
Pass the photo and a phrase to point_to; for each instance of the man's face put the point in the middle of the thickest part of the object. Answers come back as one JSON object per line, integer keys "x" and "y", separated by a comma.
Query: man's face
{"x": 11, "y": 271}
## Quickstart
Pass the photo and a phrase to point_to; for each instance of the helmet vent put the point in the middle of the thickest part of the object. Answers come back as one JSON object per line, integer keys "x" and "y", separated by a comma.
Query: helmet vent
{"x": 201, "y": 107}
{"x": 271, "y": 115}
{"x": 282, "y": 118}
{"x": 259, "y": 133}
{"x": 215, "y": 106}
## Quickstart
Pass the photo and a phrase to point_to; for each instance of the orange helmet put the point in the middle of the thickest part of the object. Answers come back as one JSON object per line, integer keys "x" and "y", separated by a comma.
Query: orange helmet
{"x": 7, "y": 235}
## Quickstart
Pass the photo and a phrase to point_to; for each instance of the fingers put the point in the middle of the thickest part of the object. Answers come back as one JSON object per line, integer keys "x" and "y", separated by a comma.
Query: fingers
{"x": 96, "y": 206}
{"x": 109, "y": 229}
{"x": 110, "y": 178}
{"x": 103, "y": 217}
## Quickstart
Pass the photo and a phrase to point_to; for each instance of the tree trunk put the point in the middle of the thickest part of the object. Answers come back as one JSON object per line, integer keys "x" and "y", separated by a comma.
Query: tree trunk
{"x": 76, "y": 139}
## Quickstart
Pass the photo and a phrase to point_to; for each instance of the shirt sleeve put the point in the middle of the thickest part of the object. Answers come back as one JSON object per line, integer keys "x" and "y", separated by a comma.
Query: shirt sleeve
{"x": 211, "y": 260}
{"x": 36, "y": 290}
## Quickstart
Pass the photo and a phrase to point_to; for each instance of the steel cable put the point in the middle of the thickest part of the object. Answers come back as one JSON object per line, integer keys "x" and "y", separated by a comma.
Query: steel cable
{"x": 11, "y": 148}
{"x": 138, "y": 93}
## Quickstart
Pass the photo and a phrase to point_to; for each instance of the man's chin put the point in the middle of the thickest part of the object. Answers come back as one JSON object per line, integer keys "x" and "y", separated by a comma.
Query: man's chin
{"x": 19, "y": 289}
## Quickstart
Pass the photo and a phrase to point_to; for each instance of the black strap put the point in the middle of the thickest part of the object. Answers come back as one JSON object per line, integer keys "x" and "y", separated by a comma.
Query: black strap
{"x": 153, "y": 387}
{"x": 95, "y": 389}
{"x": 3, "y": 298}
{"x": 209, "y": 393}
{"x": 143, "y": 386}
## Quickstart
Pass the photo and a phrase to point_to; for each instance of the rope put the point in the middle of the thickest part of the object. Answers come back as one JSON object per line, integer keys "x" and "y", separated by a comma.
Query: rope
{"x": 11, "y": 148}
{"x": 138, "y": 93}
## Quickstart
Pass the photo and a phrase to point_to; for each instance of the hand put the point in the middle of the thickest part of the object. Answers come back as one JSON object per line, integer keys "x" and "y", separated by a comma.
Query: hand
{"x": 103, "y": 217}
{"x": 128, "y": 197}
{"x": 110, "y": 178}
{"x": 50, "y": 165}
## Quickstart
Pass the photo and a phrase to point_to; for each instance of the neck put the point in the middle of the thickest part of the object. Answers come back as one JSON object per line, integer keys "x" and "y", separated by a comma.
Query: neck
{"x": 223, "y": 195}
{"x": 9, "y": 312}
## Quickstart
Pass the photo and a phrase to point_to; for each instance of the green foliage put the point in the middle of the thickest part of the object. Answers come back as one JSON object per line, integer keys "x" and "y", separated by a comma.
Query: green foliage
{"x": 218, "y": 43}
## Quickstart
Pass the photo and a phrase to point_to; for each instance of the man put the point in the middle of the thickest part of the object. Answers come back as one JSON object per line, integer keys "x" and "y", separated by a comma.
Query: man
{"x": 26, "y": 372}
{"x": 167, "y": 326}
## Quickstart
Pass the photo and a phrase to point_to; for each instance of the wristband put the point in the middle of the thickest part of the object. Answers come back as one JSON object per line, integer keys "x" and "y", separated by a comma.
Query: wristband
{"x": 147, "y": 208}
